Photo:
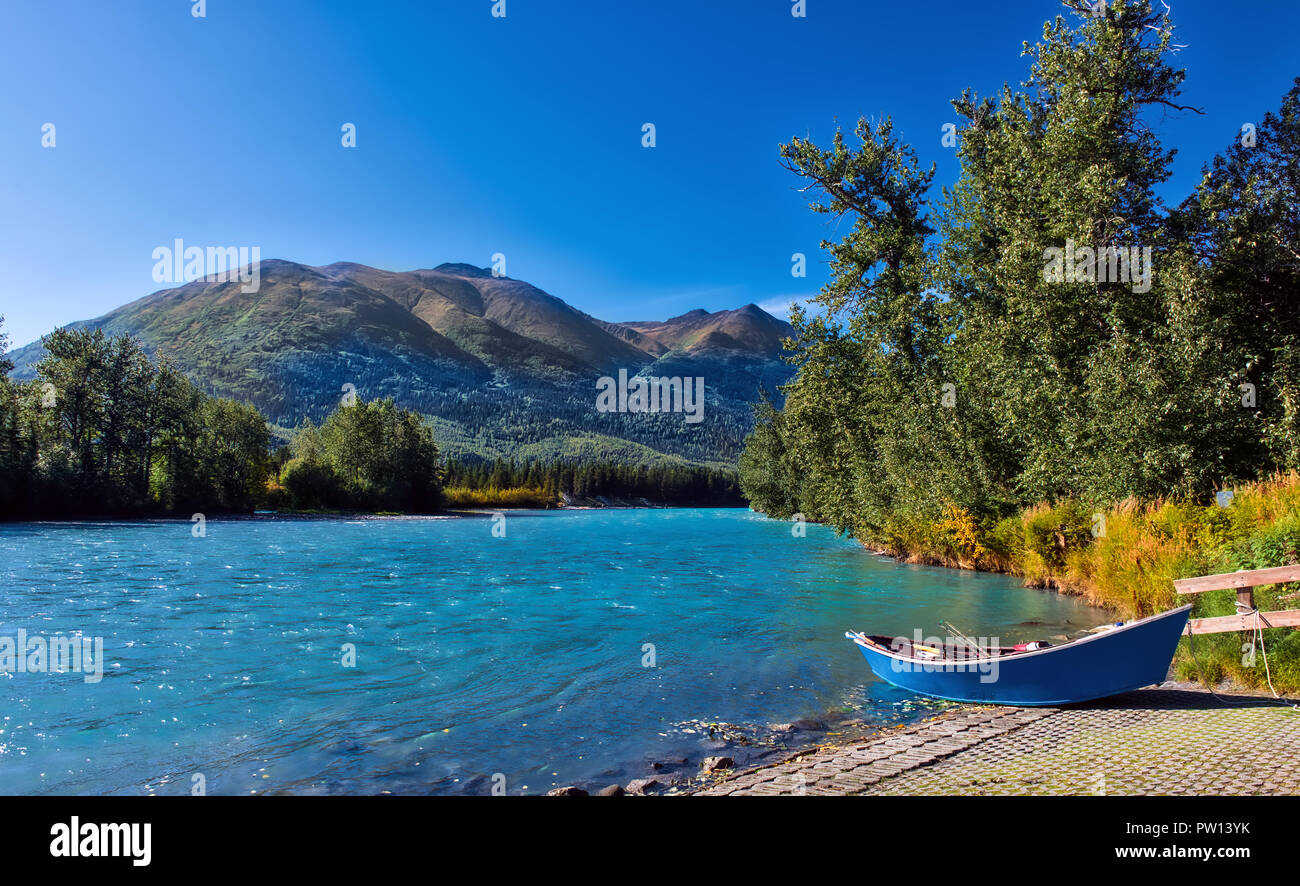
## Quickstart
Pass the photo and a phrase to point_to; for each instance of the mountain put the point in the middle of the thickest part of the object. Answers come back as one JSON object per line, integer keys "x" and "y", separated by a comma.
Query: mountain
{"x": 749, "y": 329}
{"x": 502, "y": 368}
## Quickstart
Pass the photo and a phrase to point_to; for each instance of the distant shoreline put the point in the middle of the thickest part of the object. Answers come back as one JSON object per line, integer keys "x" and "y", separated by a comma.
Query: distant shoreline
{"x": 450, "y": 513}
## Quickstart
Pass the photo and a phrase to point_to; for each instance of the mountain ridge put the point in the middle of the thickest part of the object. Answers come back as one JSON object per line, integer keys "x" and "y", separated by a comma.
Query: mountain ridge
{"x": 513, "y": 366}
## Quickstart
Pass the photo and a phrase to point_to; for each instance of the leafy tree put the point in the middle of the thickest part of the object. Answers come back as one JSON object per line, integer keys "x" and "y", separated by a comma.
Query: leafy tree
{"x": 1240, "y": 299}
{"x": 863, "y": 366}
{"x": 766, "y": 472}
{"x": 103, "y": 430}
{"x": 234, "y": 443}
{"x": 1066, "y": 160}
{"x": 6, "y": 365}
{"x": 369, "y": 455}
{"x": 954, "y": 370}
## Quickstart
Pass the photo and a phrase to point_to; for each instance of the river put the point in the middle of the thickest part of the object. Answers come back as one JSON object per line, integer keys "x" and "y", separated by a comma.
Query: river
{"x": 452, "y": 655}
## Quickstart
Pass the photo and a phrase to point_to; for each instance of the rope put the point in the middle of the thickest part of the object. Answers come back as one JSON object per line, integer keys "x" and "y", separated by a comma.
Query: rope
{"x": 1257, "y": 633}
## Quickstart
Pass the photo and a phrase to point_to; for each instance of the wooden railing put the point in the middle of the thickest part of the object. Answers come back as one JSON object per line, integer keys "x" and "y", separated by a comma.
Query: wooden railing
{"x": 1244, "y": 582}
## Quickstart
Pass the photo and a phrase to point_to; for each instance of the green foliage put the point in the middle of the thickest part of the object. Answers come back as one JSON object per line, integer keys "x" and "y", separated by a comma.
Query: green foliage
{"x": 102, "y": 430}
{"x": 1272, "y": 546}
{"x": 6, "y": 365}
{"x": 1005, "y": 540}
{"x": 234, "y": 441}
{"x": 948, "y": 370}
{"x": 1242, "y": 225}
{"x": 481, "y": 481}
{"x": 766, "y": 469}
{"x": 367, "y": 456}
{"x": 1050, "y": 534}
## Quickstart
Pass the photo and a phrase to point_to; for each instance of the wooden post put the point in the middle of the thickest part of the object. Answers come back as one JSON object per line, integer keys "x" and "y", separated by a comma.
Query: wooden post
{"x": 1246, "y": 599}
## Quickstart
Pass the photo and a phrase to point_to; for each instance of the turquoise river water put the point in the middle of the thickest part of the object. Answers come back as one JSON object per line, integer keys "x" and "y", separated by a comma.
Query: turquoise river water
{"x": 582, "y": 647}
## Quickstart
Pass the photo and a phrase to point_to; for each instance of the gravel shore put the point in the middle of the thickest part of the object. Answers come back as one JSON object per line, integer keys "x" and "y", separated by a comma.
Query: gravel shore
{"x": 1172, "y": 739}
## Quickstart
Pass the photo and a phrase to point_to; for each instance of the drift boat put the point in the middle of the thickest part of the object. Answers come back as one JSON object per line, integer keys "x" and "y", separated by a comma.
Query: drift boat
{"x": 1122, "y": 658}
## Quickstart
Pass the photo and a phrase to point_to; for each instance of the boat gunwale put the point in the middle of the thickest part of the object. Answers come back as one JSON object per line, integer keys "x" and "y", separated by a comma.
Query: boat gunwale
{"x": 965, "y": 664}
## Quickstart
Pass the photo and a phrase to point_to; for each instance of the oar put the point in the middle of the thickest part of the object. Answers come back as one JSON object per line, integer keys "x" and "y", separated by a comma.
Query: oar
{"x": 979, "y": 653}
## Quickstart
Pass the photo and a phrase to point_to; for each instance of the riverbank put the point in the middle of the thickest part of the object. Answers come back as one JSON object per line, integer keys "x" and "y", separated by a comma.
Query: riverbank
{"x": 537, "y": 499}
{"x": 1125, "y": 557}
{"x": 458, "y": 508}
{"x": 1173, "y": 739}
{"x": 725, "y": 748}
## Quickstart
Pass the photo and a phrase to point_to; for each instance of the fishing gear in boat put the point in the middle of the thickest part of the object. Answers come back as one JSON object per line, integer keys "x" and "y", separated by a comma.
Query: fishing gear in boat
{"x": 946, "y": 625}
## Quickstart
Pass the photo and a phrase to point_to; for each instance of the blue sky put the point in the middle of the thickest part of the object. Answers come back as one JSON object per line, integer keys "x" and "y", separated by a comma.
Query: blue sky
{"x": 521, "y": 135}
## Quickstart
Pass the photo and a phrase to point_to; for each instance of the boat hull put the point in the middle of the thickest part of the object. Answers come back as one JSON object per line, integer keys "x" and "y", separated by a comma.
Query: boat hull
{"x": 1119, "y": 660}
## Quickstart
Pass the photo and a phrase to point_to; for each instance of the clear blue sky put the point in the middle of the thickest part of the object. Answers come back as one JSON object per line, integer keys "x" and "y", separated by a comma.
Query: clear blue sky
{"x": 519, "y": 135}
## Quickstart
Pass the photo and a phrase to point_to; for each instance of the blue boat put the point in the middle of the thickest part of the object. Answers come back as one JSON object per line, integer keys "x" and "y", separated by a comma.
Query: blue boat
{"x": 1118, "y": 659}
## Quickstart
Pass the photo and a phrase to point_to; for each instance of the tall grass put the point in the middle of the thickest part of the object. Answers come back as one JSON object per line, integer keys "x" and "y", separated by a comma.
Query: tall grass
{"x": 1125, "y": 556}
{"x": 492, "y": 497}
